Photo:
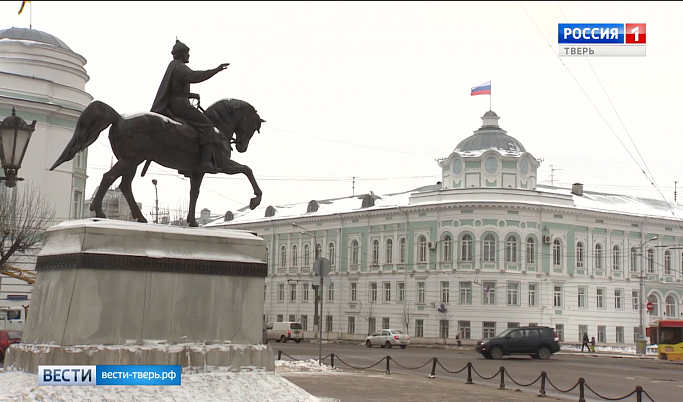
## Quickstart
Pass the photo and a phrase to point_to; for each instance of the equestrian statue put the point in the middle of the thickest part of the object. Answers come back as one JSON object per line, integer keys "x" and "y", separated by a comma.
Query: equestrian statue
{"x": 174, "y": 134}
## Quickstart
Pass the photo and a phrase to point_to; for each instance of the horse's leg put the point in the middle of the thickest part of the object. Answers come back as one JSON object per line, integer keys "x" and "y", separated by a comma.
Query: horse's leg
{"x": 108, "y": 179}
{"x": 195, "y": 183}
{"x": 126, "y": 189}
{"x": 231, "y": 167}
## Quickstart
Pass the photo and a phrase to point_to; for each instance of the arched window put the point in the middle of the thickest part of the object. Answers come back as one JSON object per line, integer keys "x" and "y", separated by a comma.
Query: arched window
{"x": 267, "y": 256}
{"x": 330, "y": 253}
{"x": 402, "y": 250}
{"x": 670, "y": 310}
{"x": 375, "y": 252}
{"x": 655, "y": 304}
{"x": 598, "y": 256}
{"x": 511, "y": 249}
{"x": 557, "y": 253}
{"x": 466, "y": 248}
{"x": 580, "y": 255}
{"x": 283, "y": 256}
{"x": 530, "y": 250}
{"x": 421, "y": 249}
{"x": 307, "y": 255}
{"x": 389, "y": 251}
{"x": 447, "y": 248}
{"x": 319, "y": 251}
{"x": 489, "y": 248}
{"x": 634, "y": 260}
{"x": 295, "y": 256}
{"x": 667, "y": 262}
{"x": 354, "y": 252}
{"x": 616, "y": 258}
{"x": 651, "y": 261}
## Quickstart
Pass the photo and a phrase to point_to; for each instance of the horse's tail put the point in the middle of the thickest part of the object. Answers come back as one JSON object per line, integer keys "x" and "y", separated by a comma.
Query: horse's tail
{"x": 95, "y": 118}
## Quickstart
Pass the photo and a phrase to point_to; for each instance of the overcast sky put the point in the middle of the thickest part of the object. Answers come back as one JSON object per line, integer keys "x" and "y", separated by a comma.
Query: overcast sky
{"x": 378, "y": 91}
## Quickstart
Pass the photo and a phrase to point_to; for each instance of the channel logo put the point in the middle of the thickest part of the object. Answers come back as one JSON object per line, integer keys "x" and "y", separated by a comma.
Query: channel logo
{"x": 71, "y": 375}
{"x": 606, "y": 40}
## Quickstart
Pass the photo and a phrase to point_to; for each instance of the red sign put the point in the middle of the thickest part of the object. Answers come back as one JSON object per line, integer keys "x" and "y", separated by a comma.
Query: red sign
{"x": 635, "y": 33}
{"x": 650, "y": 306}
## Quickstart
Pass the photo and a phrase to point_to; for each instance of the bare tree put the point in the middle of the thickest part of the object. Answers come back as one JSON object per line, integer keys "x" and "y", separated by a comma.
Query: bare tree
{"x": 444, "y": 315}
{"x": 24, "y": 217}
{"x": 180, "y": 214}
{"x": 368, "y": 315}
{"x": 406, "y": 316}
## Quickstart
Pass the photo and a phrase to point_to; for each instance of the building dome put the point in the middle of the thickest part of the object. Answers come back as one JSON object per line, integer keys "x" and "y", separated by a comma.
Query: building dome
{"x": 32, "y": 35}
{"x": 490, "y": 136}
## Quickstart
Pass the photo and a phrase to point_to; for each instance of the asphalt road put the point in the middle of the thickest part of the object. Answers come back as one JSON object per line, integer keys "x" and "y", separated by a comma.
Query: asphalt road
{"x": 608, "y": 376}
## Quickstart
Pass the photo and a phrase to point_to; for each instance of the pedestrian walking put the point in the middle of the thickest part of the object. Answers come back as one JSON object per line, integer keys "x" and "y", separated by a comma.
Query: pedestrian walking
{"x": 457, "y": 337}
{"x": 585, "y": 342}
{"x": 592, "y": 344}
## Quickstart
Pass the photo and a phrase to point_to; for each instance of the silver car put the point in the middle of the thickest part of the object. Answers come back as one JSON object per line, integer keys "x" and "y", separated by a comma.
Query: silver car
{"x": 387, "y": 338}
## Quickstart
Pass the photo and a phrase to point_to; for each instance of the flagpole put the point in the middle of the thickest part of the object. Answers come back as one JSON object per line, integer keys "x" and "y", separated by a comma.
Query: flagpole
{"x": 30, "y": 15}
{"x": 490, "y": 94}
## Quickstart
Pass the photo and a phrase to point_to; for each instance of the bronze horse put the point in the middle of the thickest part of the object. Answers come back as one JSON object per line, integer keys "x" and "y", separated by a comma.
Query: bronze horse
{"x": 153, "y": 137}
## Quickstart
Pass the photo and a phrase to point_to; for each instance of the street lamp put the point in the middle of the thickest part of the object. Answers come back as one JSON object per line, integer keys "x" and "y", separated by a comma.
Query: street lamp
{"x": 154, "y": 181}
{"x": 642, "y": 295}
{"x": 14, "y": 137}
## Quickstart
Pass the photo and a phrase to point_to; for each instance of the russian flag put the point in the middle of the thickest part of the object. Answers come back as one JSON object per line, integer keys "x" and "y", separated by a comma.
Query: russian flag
{"x": 483, "y": 89}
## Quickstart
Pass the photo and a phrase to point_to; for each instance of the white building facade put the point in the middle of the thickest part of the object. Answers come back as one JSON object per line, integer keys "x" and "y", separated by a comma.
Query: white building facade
{"x": 483, "y": 250}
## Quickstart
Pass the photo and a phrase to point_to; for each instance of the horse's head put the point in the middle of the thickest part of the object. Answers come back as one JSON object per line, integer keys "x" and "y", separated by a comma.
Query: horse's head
{"x": 235, "y": 116}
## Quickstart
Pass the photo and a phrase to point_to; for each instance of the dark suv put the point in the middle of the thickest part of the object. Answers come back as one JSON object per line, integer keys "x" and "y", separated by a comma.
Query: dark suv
{"x": 539, "y": 342}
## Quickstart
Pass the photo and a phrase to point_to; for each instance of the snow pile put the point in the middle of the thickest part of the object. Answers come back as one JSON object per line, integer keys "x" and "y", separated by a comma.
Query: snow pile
{"x": 311, "y": 365}
{"x": 256, "y": 386}
{"x": 627, "y": 350}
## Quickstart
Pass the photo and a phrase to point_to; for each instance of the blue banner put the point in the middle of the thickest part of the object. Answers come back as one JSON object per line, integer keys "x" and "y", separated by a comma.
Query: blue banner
{"x": 138, "y": 375}
{"x": 590, "y": 33}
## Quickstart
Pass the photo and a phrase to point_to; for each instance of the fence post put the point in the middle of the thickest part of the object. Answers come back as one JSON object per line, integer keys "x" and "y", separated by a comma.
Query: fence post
{"x": 542, "y": 391}
{"x": 502, "y": 377}
{"x": 582, "y": 397}
{"x": 332, "y": 359}
{"x": 388, "y": 358}
{"x": 279, "y": 355}
{"x": 639, "y": 393}
{"x": 433, "y": 373}
{"x": 469, "y": 373}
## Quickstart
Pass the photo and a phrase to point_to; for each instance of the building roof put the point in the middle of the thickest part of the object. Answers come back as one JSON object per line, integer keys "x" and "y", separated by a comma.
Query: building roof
{"x": 33, "y": 35}
{"x": 490, "y": 136}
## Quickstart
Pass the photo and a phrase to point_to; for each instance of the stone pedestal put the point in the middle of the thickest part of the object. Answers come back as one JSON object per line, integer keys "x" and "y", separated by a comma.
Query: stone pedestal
{"x": 108, "y": 290}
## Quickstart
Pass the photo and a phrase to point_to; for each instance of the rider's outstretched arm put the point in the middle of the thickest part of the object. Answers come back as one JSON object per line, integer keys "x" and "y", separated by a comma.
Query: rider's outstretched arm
{"x": 186, "y": 74}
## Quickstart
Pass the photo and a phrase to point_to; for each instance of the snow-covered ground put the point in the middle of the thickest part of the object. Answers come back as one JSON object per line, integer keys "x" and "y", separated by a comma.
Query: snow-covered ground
{"x": 221, "y": 385}
{"x": 626, "y": 350}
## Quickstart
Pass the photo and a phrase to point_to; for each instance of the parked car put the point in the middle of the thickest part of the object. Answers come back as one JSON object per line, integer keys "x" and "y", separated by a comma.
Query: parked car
{"x": 7, "y": 338}
{"x": 285, "y": 331}
{"x": 387, "y": 338}
{"x": 539, "y": 342}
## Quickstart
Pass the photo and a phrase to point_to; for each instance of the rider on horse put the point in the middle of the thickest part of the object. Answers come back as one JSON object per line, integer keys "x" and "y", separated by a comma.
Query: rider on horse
{"x": 173, "y": 100}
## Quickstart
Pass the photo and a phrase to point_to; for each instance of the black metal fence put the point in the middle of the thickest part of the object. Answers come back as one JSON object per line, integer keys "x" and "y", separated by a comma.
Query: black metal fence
{"x": 639, "y": 392}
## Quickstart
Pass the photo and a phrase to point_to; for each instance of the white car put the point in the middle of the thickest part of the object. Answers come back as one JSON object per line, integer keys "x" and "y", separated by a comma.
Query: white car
{"x": 387, "y": 338}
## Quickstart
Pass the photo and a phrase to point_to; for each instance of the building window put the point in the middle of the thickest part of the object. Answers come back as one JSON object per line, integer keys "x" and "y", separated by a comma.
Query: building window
{"x": 533, "y": 292}
{"x": 328, "y": 323}
{"x": 447, "y": 248}
{"x": 466, "y": 248}
{"x": 281, "y": 292}
{"x": 465, "y": 330}
{"x": 292, "y": 318}
{"x": 511, "y": 249}
{"x": 304, "y": 322}
{"x": 601, "y": 333}
{"x": 305, "y": 292}
{"x": 465, "y": 292}
{"x": 371, "y": 325}
{"x": 618, "y": 294}
{"x": 670, "y": 310}
{"x": 419, "y": 328}
{"x": 620, "y": 334}
{"x": 530, "y": 249}
{"x": 488, "y": 330}
{"x": 655, "y": 304}
{"x": 330, "y": 253}
{"x": 557, "y": 296}
{"x": 600, "y": 293}
{"x": 402, "y": 250}
{"x": 375, "y": 253}
{"x": 354, "y": 252}
{"x": 616, "y": 258}
{"x": 307, "y": 255}
{"x": 354, "y": 291}
{"x": 280, "y": 318}
{"x": 420, "y": 292}
{"x": 352, "y": 325}
{"x": 387, "y": 291}
{"x": 385, "y": 322}
{"x": 513, "y": 294}
{"x": 650, "y": 261}
{"x": 292, "y": 292}
{"x": 267, "y": 257}
{"x": 634, "y": 259}
{"x": 635, "y": 299}
{"x": 443, "y": 328}
{"x": 559, "y": 332}
{"x": 598, "y": 256}
{"x": 667, "y": 262}
{"x": 389, "y": 252}
{"x": 445, "y": 292}
{"x": 513, "y": 325}
{"x": 421, "y": 249}
{"x": 330, "y": 292}
{"x": 557, "y": 253}
{"x": 283, "y": 257}
{"x": 319, "y": 250}
{"x": 489, "y": 248}
{"x": 295, "y": 256}
{"x": 583, "y": 329}
{"x": 373, "y": 292}
{"x": 265, "y": 292}
{"x": 401, "y": 291}
{"x": 582, "y": 296}
{"x": 489, "y": 296}
{"x": 78, "y": 201}
{"x": 580, "y": 252}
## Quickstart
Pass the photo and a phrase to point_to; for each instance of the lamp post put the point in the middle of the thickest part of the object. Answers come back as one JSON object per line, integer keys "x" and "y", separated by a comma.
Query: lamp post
{"x": 14, "y": 137}
{"x": 154, "y": 181}
{"x": 642, "y": 294}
